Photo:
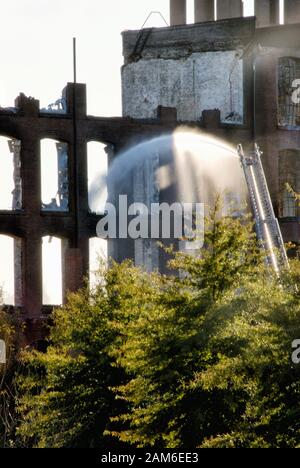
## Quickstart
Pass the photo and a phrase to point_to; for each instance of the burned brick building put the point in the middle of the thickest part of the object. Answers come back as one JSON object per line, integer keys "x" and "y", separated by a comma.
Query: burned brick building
{"x": 232, "y": 76}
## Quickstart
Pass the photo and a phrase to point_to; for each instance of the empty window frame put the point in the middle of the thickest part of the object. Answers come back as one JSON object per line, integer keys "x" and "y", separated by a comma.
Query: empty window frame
{"x": 289, "y": 175}
{"x": 10, "y": 174}
{"x": 54, "y": 175}
{"x": 288, "y": 111}
{"x": 11, "y": 271}
{"x": 97, "y": 154}
{"x": 52, "y": 271}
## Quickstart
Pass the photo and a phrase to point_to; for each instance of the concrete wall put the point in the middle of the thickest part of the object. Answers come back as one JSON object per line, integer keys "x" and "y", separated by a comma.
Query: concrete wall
{"x": 212, "y": 80}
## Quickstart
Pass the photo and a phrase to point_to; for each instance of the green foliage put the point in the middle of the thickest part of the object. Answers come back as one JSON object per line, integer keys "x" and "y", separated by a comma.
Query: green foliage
{"x": 67, "y": 399}
{"x": 169, "y": 341}
{"x": 253, "y": 370}
{"x": 8, "y": 391}
{"x": 199, "y": 359}
{"x": 210, "y": 360}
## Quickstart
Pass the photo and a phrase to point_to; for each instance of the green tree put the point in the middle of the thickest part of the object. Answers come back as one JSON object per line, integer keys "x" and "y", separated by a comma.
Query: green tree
{"x": 254, "y": 372}
{"x": 66, "y": 392}
{"x": 210, "y": 356}
{"x": 199, "y": 359}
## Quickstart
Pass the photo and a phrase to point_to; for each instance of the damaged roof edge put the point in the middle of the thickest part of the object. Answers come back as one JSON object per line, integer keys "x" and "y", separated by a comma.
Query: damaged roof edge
{"x": 214, "y": 35}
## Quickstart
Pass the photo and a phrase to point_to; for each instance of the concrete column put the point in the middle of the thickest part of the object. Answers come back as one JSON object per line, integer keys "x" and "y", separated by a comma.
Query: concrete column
{"x": 229, "y": 9}
{"x": 291, "y": 11}
{"x": 32, "y": 252}
{"x": 267, "y": 12}
{"x": 204, "y": 10}
{"x": 177, "y": 12}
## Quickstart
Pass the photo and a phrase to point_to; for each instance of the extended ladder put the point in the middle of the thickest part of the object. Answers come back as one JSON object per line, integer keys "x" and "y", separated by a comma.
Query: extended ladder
{"x": 267, "y": 226}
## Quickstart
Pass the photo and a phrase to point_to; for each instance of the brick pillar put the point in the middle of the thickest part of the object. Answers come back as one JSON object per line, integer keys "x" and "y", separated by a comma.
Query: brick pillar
{"x": 267, "y": 12}
{"x": 291, "y": 11}
{"x": 77, "y": 256}
{"x": 84, "y": 246}
{"x": 204, "y": 10}
{"x": 266, "y": 119}
{"x": 31, "y": 172}
{"x": 177, "y": 12}
{"x": 229, "y": 9}
{"x": 72, "y": 267}
{"x": 80, "y": 98}
{"x": 33, "y": 286}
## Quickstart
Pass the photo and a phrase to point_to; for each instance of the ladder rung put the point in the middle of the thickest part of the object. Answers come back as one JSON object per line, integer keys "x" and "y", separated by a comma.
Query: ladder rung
{"x": 262, "y": 206}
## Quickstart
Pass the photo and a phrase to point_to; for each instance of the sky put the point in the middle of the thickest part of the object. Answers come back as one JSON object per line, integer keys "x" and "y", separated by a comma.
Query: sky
{"x": 36, "y": 59}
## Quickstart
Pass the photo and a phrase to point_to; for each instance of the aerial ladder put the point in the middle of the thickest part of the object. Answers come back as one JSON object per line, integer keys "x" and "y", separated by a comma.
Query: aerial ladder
{"x": 267, "y": 226}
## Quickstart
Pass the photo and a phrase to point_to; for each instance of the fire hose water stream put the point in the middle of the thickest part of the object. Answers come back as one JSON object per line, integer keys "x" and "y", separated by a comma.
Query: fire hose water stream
{"x": 192, "y": 167}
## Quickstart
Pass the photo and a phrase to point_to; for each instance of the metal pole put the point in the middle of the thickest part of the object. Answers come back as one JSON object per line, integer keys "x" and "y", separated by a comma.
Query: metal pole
{"x": 76, "y": 194}
{"x": 74, "y": 60}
